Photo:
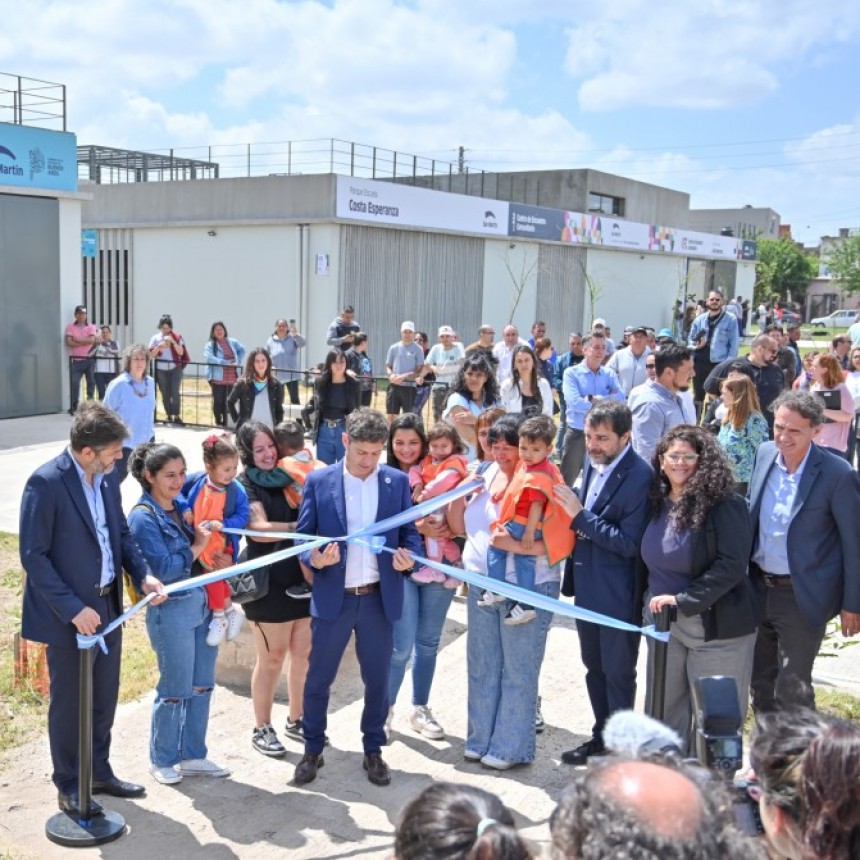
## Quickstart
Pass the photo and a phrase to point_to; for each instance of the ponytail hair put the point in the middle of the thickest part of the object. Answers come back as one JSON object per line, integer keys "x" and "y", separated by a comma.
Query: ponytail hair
{"x": 151, "y": 457}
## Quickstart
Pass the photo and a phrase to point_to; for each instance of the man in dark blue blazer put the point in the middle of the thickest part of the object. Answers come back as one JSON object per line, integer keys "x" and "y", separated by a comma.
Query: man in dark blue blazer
{"x": 804, "y": 504}
{"x": 354, "y": 590}
{"x": 74, "y": 544}
{"x": 609, "y": 516}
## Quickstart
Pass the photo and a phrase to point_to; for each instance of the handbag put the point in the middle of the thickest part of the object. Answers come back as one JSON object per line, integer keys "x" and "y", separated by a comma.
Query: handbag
{"x": 250, "y": 585}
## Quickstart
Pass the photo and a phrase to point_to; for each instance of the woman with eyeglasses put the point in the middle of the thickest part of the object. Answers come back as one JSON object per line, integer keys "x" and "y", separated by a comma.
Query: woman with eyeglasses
{"x": 694, "y": 556}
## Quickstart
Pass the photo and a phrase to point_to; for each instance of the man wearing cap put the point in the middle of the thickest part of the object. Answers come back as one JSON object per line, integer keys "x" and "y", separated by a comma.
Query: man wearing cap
{"x": 629, "y": 363}
{"x": 405, "y": 366}
{"x": 80, "y": 339}
{"x": 445, "y": 360}
{"x": 503, "y": 351}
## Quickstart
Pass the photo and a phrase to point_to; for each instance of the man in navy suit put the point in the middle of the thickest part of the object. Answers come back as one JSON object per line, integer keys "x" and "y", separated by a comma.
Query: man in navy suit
{"x": 354, "y": 590}
{"x": 804, "y": 504}
{"x": 74, "y": 545}
{"x": 609, "y": 516}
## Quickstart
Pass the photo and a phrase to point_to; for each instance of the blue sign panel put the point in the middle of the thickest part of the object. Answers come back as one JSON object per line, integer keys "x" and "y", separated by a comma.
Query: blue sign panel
{"x": 38, "y": 158}
{"x": 89, "y": 242}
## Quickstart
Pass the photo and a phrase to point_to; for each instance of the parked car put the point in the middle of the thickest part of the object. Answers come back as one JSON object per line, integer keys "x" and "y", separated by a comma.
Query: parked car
{"x": 790, "y": 317}
{"x": 838, "y": 319}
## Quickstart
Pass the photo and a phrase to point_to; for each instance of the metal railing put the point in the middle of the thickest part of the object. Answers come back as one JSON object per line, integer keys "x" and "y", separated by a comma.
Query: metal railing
{"x": 30, "y": 101}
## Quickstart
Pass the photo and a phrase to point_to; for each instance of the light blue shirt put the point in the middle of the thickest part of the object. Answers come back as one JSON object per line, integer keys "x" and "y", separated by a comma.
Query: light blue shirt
{"x": 96, "y": 504}
{"x": 134, "y": 402}
{"x": 598, "y": 478}
{"x": 579, "y": 383}
{"x": 775, "y": 515}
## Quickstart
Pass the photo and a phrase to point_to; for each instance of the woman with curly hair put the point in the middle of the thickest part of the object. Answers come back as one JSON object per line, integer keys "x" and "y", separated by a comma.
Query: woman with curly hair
{"x": 694, "y": 555}
{"x": 527, "y": 389}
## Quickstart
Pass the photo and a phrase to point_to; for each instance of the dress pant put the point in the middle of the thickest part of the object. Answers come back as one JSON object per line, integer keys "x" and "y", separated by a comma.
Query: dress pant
{"x": 63, "y": 709}
{"x": 364, "y": 615}
{"x": 785, "y": 649}
{"x": 572, "y": 455}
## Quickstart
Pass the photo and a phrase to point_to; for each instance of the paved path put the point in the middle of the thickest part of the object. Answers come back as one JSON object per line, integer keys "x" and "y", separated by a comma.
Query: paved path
{"x": 258, "y": 812}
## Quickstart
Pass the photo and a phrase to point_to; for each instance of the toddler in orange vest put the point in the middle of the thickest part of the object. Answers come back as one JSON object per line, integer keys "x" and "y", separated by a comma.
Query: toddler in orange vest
{"x": 529, "y": 513}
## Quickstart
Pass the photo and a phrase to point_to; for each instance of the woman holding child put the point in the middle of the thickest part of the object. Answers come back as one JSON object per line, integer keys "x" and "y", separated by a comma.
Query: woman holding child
{"x": 280, "y": 623}
{"x": 178, "y": 627}
{"x": 503, "y": 661}
{"x": 425, "y": 602}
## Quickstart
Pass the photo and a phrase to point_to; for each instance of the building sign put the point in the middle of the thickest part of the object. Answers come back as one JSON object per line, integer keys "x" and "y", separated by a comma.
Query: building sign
{"x": 38, "y": 158}
{"x": 406, "y": 206}
{"x": 89, "y": 243}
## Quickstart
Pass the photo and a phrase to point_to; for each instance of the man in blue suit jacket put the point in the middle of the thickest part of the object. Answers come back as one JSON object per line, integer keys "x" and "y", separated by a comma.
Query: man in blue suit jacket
{"x": 74, "y": 545}
{"x": 353, "y": 589}
{"x": 609, "y": 516}
{"x": 804, "y": 505}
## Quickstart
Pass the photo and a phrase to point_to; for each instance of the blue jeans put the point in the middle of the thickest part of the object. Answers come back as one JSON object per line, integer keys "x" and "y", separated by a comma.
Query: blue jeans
{"x": 330, "y": 442}
{"x": 503, "y": 665}
{"x": 186, "y": 664}
{"x": 524, "y": 565}
{"x": 417, "y": 635}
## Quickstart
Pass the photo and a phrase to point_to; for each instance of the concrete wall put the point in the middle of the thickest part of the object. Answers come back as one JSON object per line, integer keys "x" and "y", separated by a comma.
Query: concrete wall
{"x": 509, "y": 269}
{"x": 748, "y": 222}
{"x": 635, "y": 288}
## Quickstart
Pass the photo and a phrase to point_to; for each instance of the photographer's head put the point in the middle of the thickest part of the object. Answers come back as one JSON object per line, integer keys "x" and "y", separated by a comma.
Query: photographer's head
{"x": 808, "y": 766}
{"x": 650, "y": 810}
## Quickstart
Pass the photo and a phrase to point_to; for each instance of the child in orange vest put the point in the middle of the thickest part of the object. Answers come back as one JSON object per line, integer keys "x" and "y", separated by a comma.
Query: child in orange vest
{"x": 440, "y": 471}
{"x": 219, "y": 500}
{"x": 529, "y": 513}
{"x": 295, "y": 464}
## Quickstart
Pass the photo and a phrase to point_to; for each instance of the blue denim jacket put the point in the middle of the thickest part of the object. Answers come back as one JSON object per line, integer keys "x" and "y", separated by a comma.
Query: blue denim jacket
{"x": 724, "y": 344}
{"x": 165, "y": 546}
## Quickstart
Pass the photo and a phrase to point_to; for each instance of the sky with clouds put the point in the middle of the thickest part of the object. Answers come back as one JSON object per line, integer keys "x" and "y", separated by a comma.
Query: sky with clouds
{"x": 734, "y": 102}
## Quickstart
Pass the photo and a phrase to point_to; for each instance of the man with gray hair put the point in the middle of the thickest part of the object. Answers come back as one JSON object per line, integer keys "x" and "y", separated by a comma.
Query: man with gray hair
{"x": 806, "y": 551}
{"x": 655, "y": 809}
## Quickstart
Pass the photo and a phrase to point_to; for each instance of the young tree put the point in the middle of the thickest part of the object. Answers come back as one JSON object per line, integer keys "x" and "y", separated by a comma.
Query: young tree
{"x": 844, "y": 264}
{"x": 782, "y": 270}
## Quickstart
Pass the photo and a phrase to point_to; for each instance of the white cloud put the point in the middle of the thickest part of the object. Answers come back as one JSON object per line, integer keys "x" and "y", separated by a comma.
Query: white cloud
{"x": 714, "y": 54}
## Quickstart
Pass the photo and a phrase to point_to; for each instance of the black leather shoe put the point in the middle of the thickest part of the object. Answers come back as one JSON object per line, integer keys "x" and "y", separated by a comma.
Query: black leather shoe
{"x": 306, "y": 769}
{"x": 118, "y": 788}
{"x": 377, "y": 770}
{"x": 583, "y": 752}
{"x": 68, "y": 803}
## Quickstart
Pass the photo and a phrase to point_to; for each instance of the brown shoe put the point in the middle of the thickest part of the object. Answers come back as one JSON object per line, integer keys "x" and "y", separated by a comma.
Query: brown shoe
{"x": 306, "y": 769}
{"x": 377, "y": 770}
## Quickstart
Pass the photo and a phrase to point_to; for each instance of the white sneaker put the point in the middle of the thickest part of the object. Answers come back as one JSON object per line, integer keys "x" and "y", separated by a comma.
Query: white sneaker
{"x": 490, "y": 599}
{"x": 423, "y": 721}
{"x": 388, "y": 722}
{"x": 202, "y": 767}
{"x": 235, "y": 620}
{"x": 519, "y": 615}
{"x": 217, "y": 629}
{"x": 165, "y": 775}
{"x": 496, "y": 763}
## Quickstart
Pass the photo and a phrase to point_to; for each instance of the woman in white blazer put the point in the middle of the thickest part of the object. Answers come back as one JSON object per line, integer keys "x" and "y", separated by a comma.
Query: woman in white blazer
{"x": 527, "y": 387}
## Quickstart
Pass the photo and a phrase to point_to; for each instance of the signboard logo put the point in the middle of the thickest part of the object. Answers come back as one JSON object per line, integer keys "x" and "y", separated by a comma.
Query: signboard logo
{"x": 490, "y": 219}
{"x": 10, "y": 169}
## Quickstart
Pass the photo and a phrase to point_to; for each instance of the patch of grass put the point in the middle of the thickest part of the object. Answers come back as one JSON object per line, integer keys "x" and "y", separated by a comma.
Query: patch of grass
{"x": 838, "y": 704}
{"x": 23, "y": 710}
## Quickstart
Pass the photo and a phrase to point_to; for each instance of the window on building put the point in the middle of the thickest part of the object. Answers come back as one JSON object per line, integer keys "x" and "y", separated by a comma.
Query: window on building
{"x": 605, "y": 204}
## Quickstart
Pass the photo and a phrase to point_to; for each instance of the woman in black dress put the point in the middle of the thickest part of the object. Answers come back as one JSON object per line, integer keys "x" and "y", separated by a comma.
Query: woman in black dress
{"x": 280, "y": 624}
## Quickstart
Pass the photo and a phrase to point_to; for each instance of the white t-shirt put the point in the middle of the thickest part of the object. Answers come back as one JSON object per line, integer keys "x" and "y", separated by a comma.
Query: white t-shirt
{"x": 481, "y": 511}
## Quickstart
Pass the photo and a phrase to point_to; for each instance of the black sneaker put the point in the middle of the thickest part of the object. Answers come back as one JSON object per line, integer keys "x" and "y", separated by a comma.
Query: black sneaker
{"x": 581, "y": 755}
{"x": 300, "y": 592}
{"x": 295, "y": 731}
{"x": 265, "y": 741}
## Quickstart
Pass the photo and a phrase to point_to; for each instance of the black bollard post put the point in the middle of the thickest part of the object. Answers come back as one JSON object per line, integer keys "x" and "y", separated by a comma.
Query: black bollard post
{"x": 662, "y": 622}
{"x": 86, "y": 829}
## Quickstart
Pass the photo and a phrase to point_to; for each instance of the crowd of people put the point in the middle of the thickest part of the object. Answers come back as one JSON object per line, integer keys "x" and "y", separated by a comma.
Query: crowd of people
{"x": 733, "y": 506}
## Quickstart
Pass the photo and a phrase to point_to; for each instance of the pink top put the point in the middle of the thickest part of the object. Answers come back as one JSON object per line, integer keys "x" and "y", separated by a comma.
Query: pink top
{"x": 81, "y": 350}
{"x": 835, "y": 434}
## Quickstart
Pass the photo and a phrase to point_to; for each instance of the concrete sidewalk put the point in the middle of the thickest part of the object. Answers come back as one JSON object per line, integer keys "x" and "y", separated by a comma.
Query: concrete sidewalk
{"x": 258, "y": 812}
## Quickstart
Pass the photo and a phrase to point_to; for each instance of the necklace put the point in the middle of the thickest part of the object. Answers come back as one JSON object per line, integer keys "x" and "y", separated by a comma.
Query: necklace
{"x": 137, "y": 391}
